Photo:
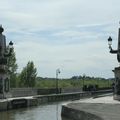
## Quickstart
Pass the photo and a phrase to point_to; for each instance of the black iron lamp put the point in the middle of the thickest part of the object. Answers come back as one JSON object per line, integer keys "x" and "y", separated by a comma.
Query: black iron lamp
{"x": 10, "y": 49}
{"x": 10, "y": 44}
{"x": 110, "y": 46}
{"x": 110, "y": 42}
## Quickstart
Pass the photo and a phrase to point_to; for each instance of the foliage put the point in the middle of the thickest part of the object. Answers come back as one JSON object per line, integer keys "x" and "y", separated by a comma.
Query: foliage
{"x": 12, "y": 68}
{"x": 28, "y": 78}
{"x": 72, "y": 83}
{"x": 28, "y": 75}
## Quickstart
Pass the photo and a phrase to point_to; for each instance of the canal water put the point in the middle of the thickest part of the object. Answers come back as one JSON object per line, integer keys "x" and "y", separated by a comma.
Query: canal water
{"x": 42, "y": 112}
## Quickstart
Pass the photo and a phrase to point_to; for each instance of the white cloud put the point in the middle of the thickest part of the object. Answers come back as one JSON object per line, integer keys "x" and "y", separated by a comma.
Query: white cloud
{"x": 70, "y": 34}
{"x": 74, "y": 58}
{"x": 59, "y": 13}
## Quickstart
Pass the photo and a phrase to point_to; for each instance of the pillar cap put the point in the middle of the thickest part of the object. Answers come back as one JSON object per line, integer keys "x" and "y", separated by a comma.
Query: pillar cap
{"x": 1, "y": 29}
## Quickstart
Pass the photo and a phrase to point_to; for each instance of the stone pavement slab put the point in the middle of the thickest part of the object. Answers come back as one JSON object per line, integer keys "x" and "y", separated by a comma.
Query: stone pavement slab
{"x": 104, "y": 107}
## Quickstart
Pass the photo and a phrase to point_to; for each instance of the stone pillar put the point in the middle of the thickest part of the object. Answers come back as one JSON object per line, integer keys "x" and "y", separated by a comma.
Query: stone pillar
{"x": 4, "y": 77}
{"x": 117, "y": 69}
{"x": 4, "y": 86}
{"x": 116, "y": 95}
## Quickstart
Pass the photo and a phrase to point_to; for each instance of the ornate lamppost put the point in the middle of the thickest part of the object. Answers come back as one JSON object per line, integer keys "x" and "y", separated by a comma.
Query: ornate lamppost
{"x": 57, "y": 73}
{"x": 4, "y": 77}
{"x": 116, "y": 69}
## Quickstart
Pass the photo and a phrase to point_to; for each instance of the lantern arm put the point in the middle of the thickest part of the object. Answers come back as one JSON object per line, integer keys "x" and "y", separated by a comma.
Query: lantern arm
{"x": 113, "y": 51}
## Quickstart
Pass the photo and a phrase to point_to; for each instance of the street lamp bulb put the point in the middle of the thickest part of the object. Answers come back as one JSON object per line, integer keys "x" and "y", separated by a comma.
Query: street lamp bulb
{"x": 109, "y": 41}
{"x": 10, "y": 44}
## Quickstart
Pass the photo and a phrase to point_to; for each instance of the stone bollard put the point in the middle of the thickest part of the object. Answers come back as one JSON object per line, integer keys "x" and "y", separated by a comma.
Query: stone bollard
{"x": 116, "y": 95}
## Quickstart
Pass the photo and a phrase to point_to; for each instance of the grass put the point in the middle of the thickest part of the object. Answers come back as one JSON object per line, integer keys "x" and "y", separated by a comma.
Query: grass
{"x": 72, "y": 83}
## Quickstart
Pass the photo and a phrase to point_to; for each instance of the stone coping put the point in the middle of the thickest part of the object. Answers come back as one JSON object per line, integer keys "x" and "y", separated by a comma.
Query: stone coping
{"x": 103, "y": 108}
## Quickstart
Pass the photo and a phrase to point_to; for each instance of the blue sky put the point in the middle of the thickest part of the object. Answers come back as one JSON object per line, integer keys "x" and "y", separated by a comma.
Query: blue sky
{"x": 67, "y": 34}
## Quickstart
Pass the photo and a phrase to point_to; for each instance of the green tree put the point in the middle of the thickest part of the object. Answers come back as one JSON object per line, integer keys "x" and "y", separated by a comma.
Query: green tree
{"x": 12, "y": 68}
{"x": 28, "y": 75}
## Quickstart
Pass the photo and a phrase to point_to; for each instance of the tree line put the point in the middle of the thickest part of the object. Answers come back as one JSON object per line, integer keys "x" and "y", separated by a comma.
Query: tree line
{"x": 26, "y": 78}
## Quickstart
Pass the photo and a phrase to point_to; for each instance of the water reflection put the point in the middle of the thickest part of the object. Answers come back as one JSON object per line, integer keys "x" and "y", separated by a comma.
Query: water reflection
{"x": 42, "y": 112}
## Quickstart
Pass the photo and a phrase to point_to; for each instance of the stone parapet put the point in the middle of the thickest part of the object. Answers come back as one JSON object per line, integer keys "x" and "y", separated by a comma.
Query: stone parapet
{"x": 75, "y": 114}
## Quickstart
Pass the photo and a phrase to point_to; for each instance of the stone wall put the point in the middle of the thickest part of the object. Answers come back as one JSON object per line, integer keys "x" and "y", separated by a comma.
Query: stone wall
{"x": 74, "y": 114}
{"x": 22, "y": 92}
{"x": 69, "y": 90}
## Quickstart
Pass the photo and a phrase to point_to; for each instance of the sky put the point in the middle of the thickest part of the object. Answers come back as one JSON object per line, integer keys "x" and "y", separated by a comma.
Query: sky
{"x": 67, "y": 34}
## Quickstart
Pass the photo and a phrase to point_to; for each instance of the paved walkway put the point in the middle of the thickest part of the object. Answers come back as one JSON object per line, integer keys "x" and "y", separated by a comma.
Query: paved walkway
{"x": 107, "y": 100}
